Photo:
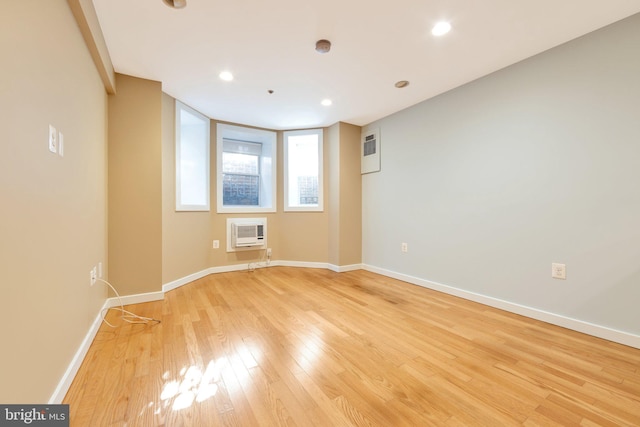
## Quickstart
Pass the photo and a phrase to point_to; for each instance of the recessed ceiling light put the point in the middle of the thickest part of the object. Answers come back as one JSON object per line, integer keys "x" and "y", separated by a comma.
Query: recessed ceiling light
{"x": 326, "y": 102}
{"x": 226, "y": 76}
{"x": 441, "y": 28}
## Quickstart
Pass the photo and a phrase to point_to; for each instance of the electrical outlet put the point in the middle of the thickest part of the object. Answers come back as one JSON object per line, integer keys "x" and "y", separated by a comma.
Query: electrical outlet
{"x": 558, "y": 271}
{"x": 404, "y": 247}
{"x": 216, "y": 244}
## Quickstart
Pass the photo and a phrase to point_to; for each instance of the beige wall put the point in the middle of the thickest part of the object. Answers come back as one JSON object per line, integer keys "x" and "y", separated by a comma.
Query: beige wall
{"x": 350, "y": 231}
{"x": 53, "y": 216}
{"x": 135, "y": 186}
{"x": 345, "y": 209}
{"x": 188, "y": 236}
{"x": 333, "y": 139}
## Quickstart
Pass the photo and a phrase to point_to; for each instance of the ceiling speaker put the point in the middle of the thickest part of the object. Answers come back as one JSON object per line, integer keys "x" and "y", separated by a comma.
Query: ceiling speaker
{"x": 176, "y": 4}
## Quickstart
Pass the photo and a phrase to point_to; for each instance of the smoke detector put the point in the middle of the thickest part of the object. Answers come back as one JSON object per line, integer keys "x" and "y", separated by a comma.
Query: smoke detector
{"x": 175, "y": 4}
{"x": 323, "y": 46}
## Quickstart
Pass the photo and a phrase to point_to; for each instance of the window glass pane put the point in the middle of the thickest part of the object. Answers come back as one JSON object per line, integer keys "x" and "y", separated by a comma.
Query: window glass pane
{"x": 241, "y": 180}
{"x": 307, "y": 190}
{"x": 240, "y": 163}
{"x": 241, "y": 190}
{"x": 302, "y": 163}
{"x": 192, "y": 160}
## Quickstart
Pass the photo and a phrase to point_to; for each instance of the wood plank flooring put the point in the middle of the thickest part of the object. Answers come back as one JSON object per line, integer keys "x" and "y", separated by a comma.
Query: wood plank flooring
{"x": 310, "y": 347}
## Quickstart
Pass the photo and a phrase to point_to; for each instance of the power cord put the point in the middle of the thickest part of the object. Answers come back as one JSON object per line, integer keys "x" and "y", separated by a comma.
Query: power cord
{"x": 263, "y": 261}
{"x": 126, "y": 315}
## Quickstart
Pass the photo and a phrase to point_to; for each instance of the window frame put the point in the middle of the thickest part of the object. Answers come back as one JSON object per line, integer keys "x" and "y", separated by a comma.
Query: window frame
{"x": 267, "y": 166}
{"x": 319, "y": 207}
{"x": 180, "y": 206}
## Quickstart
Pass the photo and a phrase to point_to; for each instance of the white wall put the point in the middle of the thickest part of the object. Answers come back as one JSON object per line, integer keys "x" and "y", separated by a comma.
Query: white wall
{"x": 534, "y": 164}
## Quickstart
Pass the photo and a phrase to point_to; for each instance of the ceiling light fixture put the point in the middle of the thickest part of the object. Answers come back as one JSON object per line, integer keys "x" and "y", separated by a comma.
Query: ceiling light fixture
{"x": 441, "y": 28}
{"x": 402, "y": 83}
{"x": 323, "y": 46}
{"x": 175, "y": 4}
{"x": 326, "y": 102}
{"x": 226, "y": 76}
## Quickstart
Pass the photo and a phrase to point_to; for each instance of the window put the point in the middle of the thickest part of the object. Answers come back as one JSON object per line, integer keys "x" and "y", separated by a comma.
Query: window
{"x": 241, "y": 173}
{"x": 303, "y": 170}
{"x": 246, "y": 163}
{"x": 192, "y": 160}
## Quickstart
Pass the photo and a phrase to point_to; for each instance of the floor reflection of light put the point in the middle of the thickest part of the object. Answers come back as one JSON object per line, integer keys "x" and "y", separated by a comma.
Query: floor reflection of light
{"x": 183, "y": 400}
{"x": 206, "y": 391}
{"x": 193, "y": 386}
{"x": 310, "y": 349}
{"x": 240, "y": 371}
{"x": 247, "y": 357}
{"x": 169, "y": 390}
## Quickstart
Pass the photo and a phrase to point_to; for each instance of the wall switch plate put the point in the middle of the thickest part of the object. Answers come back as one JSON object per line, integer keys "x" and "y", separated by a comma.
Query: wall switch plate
{"x": 53, "y": 139}
{"x": 558, "y": 271}
{"x": 60, "y": 144}
{"x": 93, "y": 275}
{"x": 404, "y": 247}
{"x": 216, "y": 244}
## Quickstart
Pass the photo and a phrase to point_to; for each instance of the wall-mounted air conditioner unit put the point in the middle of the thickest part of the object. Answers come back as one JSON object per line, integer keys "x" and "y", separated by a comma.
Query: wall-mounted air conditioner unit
{"x": 243, "y": 235}
{"x": 246, "y": 234}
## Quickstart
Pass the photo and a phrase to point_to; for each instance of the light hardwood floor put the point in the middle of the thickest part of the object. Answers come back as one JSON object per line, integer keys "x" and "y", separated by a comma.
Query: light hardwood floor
{"x": 310, "y": 347}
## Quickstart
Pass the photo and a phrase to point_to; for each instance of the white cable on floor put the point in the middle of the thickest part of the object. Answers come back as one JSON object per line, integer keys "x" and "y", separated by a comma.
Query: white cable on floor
{"x": 263, "y": 261}
{"x": 127, "y": 316}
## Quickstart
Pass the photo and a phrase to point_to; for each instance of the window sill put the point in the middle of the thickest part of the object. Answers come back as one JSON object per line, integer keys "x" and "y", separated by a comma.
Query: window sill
{"x": 245, "y": 209}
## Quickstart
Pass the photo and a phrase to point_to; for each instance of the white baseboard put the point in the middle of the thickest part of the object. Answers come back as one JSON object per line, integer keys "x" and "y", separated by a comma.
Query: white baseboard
{"x": 555, "y": 319}
{"x": 134, "y": 299}
{"x": 344, "y": 268}
{"x": 303, "y": 264}
{"x": 184, "y": 280}
{"x": 240, "y": 267}
{"x": 67, "y": 378}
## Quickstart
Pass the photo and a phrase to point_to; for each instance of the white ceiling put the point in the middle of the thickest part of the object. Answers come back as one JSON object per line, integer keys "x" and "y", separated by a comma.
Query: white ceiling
{"x": 270, "y": 45}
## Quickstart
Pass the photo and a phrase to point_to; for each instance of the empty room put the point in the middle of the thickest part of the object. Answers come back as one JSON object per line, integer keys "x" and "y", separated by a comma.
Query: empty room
{"x": 415, "y": 213}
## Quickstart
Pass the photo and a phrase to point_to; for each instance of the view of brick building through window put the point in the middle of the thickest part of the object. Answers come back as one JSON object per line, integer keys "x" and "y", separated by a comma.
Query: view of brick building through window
{"x": 241, "y": 180}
